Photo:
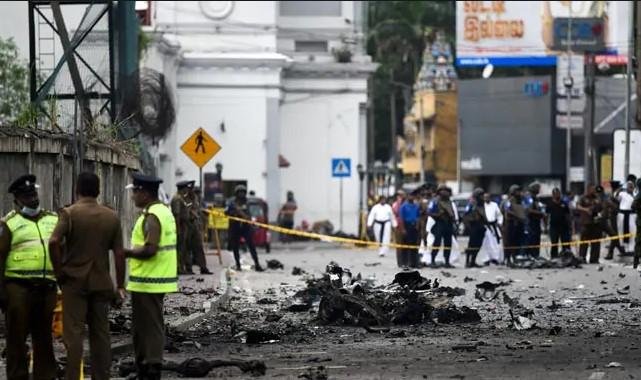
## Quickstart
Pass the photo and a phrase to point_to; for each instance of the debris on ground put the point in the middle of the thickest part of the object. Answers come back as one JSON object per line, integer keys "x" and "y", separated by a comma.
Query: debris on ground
{"x": 372, "y": 264}
{"x": 606, "y": 301}
{"x": 317, "y": 373}
{"x": 487, "y": 291}
{"x": 198, "y": 367}
{"x": 468, "y": 279}
{"x": 555, "y": 330}
{"x": 520, "y": 316}
{"x": 614, "y": 365}
{"x": 566, "y": 259}
{"x": 296, "y": 271}
{"x": 625, "y": 290}
{"x": 409, "y": 299}
{"x": 275, "y": 264}
{"x": 258, "y": 336}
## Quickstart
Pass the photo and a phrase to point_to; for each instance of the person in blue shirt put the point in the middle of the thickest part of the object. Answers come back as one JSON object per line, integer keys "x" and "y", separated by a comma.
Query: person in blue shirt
{"x": 409, "y": 214}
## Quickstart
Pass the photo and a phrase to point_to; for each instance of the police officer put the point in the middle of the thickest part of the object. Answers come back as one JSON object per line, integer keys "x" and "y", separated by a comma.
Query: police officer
{"x": 185, "y": 206}
{"x": 180, "y": 208}
{"x": 28, "y": 293}
{"x": 476, "y": 222}
{"x": 152, "y": 273}
{"x": 443, "y": 212}
{"x": 89, "y": 231}
{"x": 535, "y": 215}
{"x": 636, "y": 208}
{"x": 515, "y": 220}
{"x": 237, "y": 207}
{"x": 609, "y": 222}
{"x": 590, "y": 209}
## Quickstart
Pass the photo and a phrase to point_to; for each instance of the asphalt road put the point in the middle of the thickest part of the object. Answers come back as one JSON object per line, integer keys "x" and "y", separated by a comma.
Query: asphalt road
{"x": 589, "y": 341}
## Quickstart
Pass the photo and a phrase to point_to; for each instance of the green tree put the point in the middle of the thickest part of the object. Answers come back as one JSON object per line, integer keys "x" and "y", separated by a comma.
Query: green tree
{"x": 398, "y": 32}
{"x": 14, "y": 82}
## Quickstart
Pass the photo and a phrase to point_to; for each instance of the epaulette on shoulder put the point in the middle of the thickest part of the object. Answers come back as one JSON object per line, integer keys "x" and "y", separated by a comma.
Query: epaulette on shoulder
{"x": 10, "y": 215}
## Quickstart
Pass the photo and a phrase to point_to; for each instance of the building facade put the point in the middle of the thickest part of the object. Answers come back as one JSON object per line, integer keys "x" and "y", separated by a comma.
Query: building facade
{"x": 281, "y": 86}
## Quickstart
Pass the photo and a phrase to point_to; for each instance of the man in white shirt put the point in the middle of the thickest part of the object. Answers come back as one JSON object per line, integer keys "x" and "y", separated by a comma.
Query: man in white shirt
{"x": 492, "y": 242}
{"x": 627, "y": 218}
{"x": 381, "y": 218}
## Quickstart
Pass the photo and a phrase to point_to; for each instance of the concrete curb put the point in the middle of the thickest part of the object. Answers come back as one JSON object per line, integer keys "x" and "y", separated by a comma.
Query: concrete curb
{"x": 182, "y": 324}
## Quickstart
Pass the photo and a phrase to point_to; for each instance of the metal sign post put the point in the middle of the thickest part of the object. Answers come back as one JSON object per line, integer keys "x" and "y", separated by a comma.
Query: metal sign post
{"x": 341, "y": 168}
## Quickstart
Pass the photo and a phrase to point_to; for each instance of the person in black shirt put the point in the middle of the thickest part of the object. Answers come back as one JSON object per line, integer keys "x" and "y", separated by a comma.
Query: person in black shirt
{"x": 560, "y": 222}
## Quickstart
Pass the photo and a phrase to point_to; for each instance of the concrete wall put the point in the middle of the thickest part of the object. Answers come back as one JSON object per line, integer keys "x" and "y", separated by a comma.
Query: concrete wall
{"x": 50, "y": 159}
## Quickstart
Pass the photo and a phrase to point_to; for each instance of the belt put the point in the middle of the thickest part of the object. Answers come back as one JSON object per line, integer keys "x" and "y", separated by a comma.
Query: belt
{"x": 494, "y": 227}
{"x": 382, "y": 221}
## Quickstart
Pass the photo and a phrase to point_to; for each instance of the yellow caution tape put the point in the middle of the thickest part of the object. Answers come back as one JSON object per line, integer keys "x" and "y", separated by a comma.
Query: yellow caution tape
{"x": 374, "y": 244}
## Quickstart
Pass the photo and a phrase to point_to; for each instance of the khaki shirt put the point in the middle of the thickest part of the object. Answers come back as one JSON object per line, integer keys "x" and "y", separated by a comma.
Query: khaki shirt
{"x": 181, "y": 208}
{"x": 89, "y": 232}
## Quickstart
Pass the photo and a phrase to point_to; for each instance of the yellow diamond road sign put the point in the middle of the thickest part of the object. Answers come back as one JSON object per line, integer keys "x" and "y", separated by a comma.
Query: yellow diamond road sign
{"x": 200, "y": 147}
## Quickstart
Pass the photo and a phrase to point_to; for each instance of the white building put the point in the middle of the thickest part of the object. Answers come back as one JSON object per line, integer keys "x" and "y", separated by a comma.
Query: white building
{"x": 262, "y": 79}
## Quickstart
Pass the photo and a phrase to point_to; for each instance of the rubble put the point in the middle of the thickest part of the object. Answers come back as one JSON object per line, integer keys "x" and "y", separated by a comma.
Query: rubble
{"x": 318, "y": 373}
{"x": 409, "y": 299}
{"x": 296, "y": 271}
{"x": 198, "y": 367}
{"x": 566, "y": 259}
{"x": 487, "y": 291}
{"x": 274, "y": 264}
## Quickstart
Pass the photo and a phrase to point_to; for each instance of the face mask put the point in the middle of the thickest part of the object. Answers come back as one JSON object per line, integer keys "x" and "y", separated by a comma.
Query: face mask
{"x": 28, "y": 211}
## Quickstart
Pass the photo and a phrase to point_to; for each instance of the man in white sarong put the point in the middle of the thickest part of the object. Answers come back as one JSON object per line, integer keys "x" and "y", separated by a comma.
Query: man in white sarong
{"x": 626, "y": 218}
{"x": 491, "y": 250}
{"x": 381, "y": 218}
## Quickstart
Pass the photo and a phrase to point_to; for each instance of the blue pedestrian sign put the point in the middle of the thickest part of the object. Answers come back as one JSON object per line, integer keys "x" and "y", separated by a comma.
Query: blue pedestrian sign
{"x": 341, "y": 167}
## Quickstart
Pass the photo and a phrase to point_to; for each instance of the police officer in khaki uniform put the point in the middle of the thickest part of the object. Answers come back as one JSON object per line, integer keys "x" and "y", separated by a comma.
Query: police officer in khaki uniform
{"x": 152, "y": 273}
{"x": 185, "y": 206}
{"x": 181, "y": 209}
{"x": 28, "y": 287}
{"x": 88, "y": 232}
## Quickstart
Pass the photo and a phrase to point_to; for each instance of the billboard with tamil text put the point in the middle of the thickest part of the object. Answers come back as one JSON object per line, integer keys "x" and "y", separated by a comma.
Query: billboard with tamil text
{"x": 521, "y": 33}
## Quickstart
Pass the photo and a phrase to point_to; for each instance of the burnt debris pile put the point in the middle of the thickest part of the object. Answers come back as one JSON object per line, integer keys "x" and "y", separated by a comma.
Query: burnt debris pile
{"x": 410, "y": 299}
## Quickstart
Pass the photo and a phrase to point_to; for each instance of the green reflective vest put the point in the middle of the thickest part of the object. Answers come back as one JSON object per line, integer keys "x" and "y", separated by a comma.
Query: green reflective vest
{"x": 157, "y": 274}
{"x": 29, "y": 255}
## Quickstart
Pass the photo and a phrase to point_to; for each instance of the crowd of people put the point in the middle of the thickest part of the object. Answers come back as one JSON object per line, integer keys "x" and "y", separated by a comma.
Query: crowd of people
{"x": 425, "y": 224}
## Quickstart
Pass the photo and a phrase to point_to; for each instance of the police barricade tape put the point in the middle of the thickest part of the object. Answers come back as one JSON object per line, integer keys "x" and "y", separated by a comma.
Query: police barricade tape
{"x": 374, "y": 244}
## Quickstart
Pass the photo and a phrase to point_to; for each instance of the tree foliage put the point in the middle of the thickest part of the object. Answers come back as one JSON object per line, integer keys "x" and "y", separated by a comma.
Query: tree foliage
{"x": 14, "y": 83}
{"x": 398, "y": 32}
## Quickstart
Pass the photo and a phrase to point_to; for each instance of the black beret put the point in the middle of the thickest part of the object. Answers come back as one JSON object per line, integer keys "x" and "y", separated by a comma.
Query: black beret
{"x": 146, "y": 182}
{"x": 183, "y": 184}
{"x": 24, "y": 184}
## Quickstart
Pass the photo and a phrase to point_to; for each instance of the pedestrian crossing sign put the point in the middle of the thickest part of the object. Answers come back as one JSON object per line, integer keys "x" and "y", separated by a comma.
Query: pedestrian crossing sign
{"x": 200, "y": 147}
{"x": 341, "y": 167}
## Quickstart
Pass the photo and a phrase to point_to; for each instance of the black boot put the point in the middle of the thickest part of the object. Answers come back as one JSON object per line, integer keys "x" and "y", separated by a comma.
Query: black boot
{"x": 205, "y": 270}
{"x": 636, "y": 261}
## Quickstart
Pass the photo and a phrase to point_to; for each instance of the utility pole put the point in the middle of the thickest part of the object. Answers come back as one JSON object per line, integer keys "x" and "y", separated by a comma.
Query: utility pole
{"x": 628, "y": 90}
{"x": 588, "y": 168}
{"x": 393, "y": 132}
{"x": 638, "y": 55}
{"x": 568, "y": 87}
{"x": 421, "y": 137}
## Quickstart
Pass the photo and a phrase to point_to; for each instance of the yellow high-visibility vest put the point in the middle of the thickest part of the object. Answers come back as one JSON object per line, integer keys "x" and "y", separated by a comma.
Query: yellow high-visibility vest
{"x": 29, "y": 255}
{"x": 157, "y": 274}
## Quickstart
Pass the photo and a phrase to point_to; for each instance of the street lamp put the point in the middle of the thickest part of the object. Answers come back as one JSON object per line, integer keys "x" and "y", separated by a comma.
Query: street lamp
{"x": 361, "y": 177}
